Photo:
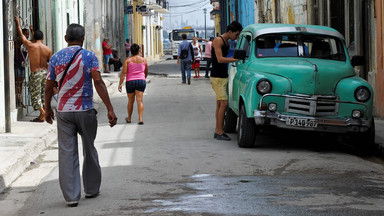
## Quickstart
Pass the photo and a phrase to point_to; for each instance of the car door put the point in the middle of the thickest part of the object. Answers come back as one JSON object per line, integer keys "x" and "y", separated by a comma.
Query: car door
{"x": 237, "y": 69}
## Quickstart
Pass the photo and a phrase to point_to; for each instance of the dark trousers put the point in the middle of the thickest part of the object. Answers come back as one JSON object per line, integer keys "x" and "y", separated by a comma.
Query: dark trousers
{"x": 207, "y": 68}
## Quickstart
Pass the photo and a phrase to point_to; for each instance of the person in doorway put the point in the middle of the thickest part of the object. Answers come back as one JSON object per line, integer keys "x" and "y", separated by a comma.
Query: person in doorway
{"x": 76, "y": 114}
{"x": 198, "y": 53}
{"x": 39, "y": 55}
{"x": 127, "y": 47}
{"x": 20, "y": 62}
{"x": 135, "y": 71}
{"x": 185, "y": 58}
{"x": 115, "y": 61}
{"x": 219, "y": 74}
{"x": 107, "y": 52}
{"x": 208, "y": 56}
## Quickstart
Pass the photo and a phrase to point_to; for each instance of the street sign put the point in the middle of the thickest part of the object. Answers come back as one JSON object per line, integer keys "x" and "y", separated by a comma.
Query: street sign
{"x": 128, "y": 10}
{"x": 141, "y": 8}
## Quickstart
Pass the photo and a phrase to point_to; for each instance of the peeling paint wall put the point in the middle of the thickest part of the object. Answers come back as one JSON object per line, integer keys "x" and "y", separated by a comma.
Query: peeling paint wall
{"x": 2, "y": 94}
{"x": 104, "y": 18}
{"x": 289, "y": 11}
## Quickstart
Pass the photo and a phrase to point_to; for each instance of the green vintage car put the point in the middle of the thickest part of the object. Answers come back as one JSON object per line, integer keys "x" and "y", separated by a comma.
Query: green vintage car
{"x": 297, "y": 77}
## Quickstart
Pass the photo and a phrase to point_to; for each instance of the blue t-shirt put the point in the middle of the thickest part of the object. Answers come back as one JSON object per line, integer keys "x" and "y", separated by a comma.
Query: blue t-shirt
{"x": 76, "y": 93}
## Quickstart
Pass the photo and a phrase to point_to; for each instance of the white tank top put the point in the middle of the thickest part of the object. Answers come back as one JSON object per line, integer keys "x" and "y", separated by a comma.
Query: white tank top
{"x": 196, "y": 51}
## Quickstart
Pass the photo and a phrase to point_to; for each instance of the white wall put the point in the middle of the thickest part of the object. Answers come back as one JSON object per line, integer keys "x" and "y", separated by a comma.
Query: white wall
{"x": 2, "y": 96}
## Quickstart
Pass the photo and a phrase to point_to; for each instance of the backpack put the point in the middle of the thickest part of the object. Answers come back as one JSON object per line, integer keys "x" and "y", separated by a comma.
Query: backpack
{"x": 184, "y": 53}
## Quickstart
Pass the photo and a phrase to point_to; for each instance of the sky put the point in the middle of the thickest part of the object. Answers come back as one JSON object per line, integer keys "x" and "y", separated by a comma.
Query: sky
{"x": 187, "y": 13}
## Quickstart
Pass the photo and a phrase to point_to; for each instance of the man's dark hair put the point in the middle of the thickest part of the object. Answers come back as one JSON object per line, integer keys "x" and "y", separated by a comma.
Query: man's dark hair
{"x": 38, "y": 35}
{"x": 24, "y": 30}
{"x": 75, "y": 32}
{"x": 135, "y": 49}
{"x": 234, "y": 27}
{"x": 184, "y": 36}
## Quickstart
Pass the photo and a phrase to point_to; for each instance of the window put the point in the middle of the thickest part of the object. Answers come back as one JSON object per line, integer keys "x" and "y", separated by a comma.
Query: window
{"x": 300, "y": 45}
{"x": 245, "y": 44}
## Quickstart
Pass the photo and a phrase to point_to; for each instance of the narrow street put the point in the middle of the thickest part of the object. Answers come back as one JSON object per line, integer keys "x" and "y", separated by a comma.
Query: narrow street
{"x": 171, "y": 165}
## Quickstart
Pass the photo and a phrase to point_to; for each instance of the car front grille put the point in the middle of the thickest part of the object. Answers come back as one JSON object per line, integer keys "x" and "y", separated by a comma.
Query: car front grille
{"x": 314, "y": 105}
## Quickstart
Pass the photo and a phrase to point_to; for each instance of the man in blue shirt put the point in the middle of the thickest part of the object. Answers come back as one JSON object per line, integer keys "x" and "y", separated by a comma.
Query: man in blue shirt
{"x": 185, "y": 61}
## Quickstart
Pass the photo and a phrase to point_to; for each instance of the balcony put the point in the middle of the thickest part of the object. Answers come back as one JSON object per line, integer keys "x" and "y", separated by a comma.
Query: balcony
{"x": 152, "y": 4}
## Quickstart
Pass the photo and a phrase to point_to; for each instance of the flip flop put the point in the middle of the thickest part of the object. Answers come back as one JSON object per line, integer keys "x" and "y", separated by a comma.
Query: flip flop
{"x": 37, "y": 120}
{"x": 140, "y": 123}
{"x": 126, "y": 119}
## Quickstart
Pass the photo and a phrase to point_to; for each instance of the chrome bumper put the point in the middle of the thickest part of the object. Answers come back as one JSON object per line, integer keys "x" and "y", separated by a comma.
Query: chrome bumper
{"x": 338, "y": 125}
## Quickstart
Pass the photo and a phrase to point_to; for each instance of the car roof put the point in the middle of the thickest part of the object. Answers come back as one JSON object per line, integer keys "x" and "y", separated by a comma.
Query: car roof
{"x": 268, "y": 28}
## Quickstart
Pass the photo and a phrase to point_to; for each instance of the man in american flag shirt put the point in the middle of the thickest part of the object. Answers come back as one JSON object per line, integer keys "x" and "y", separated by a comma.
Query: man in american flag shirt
{"x": 76, "y": 114}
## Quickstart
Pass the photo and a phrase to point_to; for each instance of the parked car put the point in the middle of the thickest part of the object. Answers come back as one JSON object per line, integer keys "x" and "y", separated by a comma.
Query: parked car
{"x": 297, "y": 77}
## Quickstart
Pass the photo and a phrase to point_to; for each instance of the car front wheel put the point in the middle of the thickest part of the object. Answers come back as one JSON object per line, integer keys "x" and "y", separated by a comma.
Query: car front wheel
{"x": 246, "y": 130}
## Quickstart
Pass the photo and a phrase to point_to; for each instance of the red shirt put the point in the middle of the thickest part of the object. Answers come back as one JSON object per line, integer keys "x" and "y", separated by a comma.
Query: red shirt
{"x": 105, "y": 50}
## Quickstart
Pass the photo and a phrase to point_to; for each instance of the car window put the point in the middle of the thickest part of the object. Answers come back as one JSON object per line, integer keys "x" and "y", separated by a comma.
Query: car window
{"x": 300, "y": 45}
{"x": 245, "y": 44}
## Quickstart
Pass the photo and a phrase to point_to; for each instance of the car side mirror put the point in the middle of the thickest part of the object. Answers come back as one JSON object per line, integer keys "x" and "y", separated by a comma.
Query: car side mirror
{"x": 357, "y": 60}
{"x": 240, "y": 54}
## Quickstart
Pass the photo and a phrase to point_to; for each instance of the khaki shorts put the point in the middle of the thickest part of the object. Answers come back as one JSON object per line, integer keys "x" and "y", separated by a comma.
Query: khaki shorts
{"x": 220, "y": 86}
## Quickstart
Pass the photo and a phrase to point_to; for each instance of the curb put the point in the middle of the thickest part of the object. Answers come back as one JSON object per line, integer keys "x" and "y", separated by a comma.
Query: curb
{"x": 21, "y": 159}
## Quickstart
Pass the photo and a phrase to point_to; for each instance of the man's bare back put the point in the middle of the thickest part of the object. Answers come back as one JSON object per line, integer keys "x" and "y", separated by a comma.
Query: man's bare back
{"x": 39, "y": 53}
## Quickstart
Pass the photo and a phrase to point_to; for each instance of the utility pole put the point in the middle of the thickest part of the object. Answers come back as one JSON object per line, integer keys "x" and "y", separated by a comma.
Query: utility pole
{"x": 205, "y": 23}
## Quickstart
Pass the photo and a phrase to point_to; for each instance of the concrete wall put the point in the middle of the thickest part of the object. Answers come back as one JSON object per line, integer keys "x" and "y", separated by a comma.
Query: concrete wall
{"x": 379, "y": 77}
{"x": 278, "y": 11}
{"x": 104, "y": 18}
{"x": 2, "y": 80}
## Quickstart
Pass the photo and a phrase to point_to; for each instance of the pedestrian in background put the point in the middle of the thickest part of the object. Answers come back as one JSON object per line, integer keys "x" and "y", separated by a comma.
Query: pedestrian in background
{"x": 20, "y": 63}
{"x": 185, "y": 58}
{"x": 198, "y": 53}
{"x": 208, "y": 56}
{"x": 219, "y": 74}
{"x": 127, "y": 47}
{"x": 74, "y": 68}
{"x": 107, "y": 52}
{"x": 135, "y": 71}
{"x": 39, "y": 55}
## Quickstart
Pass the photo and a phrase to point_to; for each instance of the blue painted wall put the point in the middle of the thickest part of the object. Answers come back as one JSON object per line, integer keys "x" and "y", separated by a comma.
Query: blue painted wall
{"x": 126, "y": 24}
{"x": 245, "y": 13}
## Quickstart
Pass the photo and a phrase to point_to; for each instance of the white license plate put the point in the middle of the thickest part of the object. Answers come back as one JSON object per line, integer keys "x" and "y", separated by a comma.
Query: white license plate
{"x": 301, "y": 122}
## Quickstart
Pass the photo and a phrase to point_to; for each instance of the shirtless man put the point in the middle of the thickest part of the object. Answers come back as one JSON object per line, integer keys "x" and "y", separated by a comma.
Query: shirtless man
{"x": 39, "y": 55}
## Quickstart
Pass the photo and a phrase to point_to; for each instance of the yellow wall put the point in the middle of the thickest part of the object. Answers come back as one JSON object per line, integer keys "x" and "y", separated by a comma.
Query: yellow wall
{"x": 217, "y": 23}
{"x": 137, "y": 24}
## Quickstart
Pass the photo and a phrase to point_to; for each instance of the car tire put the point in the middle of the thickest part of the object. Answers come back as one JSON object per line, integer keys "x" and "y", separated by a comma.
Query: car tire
{"x": 230, "y": 121}
{"x": 246, "y": 130}
{"x": 364, "y": 142}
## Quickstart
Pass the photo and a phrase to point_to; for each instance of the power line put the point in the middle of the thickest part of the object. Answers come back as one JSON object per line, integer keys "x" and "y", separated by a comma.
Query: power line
{"x": 187, "y": 5}
{"x": 198, "y": 8}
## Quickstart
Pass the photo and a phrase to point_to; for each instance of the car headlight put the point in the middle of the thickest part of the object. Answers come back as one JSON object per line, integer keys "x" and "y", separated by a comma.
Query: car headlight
{"x": 362, "y": 94}
{"x": 264, "y": 86}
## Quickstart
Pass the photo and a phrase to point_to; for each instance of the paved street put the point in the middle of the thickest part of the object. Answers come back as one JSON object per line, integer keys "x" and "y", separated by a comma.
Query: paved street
{"x": 171, "y": 165}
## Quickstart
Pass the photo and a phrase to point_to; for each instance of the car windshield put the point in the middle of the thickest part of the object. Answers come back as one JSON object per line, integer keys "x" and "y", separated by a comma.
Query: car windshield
{"x": 177, "y": 35}
{"x": 300, "y": 45}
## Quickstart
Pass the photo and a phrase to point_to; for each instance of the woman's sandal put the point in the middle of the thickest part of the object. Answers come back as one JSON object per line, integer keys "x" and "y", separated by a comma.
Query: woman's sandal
{"x": 126, "y": 119}
{"x": 140, "y": 123}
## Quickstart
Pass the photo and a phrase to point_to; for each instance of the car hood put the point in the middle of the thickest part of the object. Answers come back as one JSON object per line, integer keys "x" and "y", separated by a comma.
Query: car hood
{"x": 308, "y": 76}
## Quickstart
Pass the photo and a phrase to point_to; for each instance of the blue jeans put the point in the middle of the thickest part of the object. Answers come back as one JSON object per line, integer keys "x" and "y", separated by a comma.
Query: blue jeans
{"x": 185, "y": 65}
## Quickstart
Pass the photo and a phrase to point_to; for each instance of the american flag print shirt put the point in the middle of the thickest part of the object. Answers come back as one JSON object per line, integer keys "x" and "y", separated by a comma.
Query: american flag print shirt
{"x": 76, "y": 92}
